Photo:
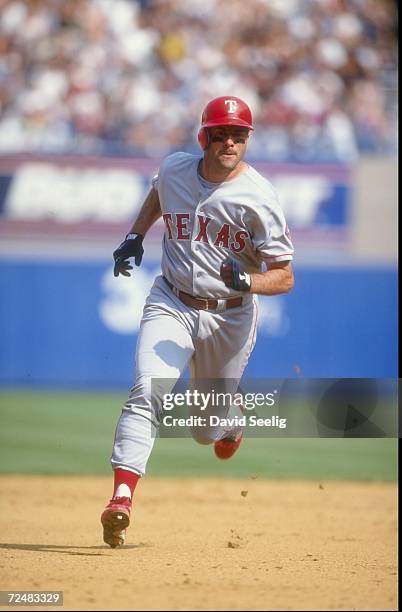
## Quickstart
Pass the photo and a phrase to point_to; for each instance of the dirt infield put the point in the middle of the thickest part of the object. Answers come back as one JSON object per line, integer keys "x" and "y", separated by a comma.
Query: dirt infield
{"x": 203, "y": 544}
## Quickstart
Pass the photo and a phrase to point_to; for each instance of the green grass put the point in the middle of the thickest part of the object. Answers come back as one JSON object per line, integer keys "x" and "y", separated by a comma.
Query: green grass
{"x": 72, "y": 433}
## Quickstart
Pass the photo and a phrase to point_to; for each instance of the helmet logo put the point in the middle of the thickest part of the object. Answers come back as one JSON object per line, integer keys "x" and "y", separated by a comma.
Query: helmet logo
{"x": 232, "y": 105}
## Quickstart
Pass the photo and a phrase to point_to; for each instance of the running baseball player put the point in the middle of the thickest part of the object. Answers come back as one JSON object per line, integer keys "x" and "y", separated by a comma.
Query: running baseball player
{"x": 225, "y": 241}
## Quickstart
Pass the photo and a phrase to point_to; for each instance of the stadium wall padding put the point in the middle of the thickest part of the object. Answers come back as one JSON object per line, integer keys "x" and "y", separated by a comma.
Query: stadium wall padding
{"x": 72, "y": 324}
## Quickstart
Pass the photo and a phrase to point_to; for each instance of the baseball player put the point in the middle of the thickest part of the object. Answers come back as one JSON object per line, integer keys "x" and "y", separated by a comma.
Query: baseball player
{"x": 225, "y": 241}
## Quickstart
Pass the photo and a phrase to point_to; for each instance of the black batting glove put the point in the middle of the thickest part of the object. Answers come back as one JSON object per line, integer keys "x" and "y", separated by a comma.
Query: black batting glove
{"x": 131, "y": 247}
{"x": 234, "y": 276}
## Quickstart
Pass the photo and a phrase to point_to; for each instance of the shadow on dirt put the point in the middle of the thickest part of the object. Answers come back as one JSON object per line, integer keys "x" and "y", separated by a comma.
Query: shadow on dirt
{"x": 71, "y": 550}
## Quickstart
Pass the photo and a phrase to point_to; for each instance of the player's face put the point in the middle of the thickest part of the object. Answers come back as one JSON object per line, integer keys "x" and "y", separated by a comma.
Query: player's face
{"x": 227, "y": 146}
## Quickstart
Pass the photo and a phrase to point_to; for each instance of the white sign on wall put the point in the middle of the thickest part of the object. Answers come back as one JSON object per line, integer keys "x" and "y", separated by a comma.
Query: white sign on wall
{"x": 71, "y": 195}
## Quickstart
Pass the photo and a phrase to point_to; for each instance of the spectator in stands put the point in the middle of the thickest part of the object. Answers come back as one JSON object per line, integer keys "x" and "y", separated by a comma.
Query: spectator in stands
{"x": 131, "y": 77}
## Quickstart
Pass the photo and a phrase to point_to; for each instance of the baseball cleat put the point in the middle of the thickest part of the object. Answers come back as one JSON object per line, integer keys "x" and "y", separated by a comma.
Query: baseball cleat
{"x": 226, "y": 448}
{"x": 115, "y": 520}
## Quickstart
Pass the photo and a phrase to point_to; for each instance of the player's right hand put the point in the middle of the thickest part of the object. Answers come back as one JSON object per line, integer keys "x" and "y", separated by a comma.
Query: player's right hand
{"x": 131, "y": 247}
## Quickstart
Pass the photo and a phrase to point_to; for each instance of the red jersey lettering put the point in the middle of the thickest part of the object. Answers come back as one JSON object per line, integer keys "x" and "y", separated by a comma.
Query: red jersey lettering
{"x": 202, "y": 233}
{"x": 222, "y": 237}
{"x": 181, "y": 222}
{"x": 239, "y": 241}
{"x": 167, "y": 217}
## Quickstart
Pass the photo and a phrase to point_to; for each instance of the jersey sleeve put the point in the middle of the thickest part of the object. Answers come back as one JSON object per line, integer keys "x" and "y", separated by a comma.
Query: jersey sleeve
{"x": 271, "y": 237}
{"x": 166, "y": 164}
{"x": 155, "y": 181}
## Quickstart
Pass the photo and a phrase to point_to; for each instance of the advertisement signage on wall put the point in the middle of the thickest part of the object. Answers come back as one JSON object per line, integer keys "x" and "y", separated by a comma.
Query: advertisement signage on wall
{"x": 78, "y": 196}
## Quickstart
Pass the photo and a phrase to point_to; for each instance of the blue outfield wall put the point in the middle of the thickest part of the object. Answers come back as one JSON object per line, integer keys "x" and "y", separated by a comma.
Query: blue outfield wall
{"x": 72, "y": 324}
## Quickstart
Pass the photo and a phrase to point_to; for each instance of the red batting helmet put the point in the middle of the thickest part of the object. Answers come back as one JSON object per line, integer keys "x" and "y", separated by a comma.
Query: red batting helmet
{"x": 225, "y": 110}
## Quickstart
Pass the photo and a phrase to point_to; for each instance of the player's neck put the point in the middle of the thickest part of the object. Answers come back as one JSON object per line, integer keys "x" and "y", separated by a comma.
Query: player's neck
{"x": 214, "y": 175}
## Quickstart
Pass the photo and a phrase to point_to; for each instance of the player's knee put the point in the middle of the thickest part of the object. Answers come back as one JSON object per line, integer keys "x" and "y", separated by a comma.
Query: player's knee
{"x": 141, "y": 398}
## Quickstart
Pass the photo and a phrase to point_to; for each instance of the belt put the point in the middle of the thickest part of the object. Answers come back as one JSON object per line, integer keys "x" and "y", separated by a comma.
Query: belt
{"x": 204, "y": 303}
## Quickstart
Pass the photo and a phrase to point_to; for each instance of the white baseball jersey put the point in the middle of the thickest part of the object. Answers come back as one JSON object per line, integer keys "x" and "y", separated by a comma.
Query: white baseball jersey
{"x": 205, "y": 222}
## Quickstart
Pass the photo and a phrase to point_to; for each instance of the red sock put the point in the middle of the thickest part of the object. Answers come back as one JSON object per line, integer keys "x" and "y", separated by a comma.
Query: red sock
{"x": 124, "y": 477}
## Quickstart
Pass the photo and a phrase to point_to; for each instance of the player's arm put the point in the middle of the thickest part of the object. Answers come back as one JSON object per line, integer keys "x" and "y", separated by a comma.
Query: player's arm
{"x": 272, "y": 242}
{"x": 132, "y": 245}
{"x": 278, "y": 279}
{"x": 149, "y": 213}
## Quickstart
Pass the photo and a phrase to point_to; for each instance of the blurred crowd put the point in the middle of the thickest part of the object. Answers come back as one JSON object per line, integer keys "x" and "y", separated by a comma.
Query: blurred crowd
{"x": 131, "y": 77}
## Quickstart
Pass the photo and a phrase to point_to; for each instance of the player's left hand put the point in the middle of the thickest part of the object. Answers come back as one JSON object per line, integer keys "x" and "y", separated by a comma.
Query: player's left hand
{"x": 234, "y": 276}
